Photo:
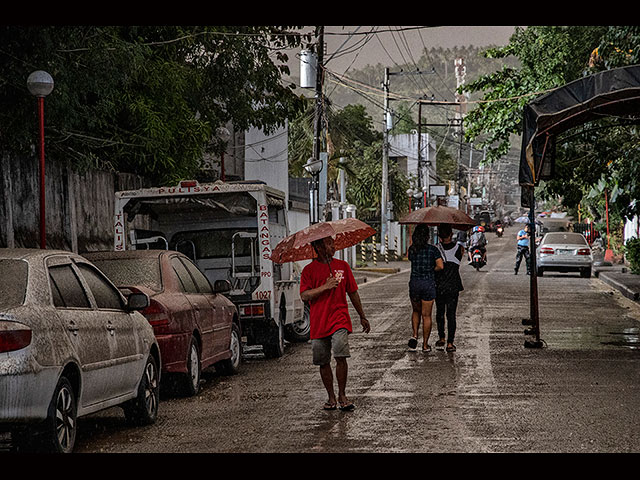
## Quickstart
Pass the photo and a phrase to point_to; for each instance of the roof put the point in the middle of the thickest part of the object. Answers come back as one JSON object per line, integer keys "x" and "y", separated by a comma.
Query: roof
{"x": 111, "y": 254}
{"x": 611, "y": 92}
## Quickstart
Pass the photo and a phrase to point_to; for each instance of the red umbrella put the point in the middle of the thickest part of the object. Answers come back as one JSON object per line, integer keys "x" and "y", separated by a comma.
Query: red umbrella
{"x": 346, "y": 232}
{"x": 434, "y": 216}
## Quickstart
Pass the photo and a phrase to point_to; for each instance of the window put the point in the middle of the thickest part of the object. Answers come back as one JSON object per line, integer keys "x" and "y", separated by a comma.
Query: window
{"x": 126, "y": 272}
{"x": 66, "y": 289}
{"x": 105, "y": 294}
{"x": 201, "y": 281}
{"x": 188, "y": 285}
{"x": 12, "y": 293}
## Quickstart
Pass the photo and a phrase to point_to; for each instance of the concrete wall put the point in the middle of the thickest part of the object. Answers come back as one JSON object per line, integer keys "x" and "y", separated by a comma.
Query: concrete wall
{"x": 79, "y": 206}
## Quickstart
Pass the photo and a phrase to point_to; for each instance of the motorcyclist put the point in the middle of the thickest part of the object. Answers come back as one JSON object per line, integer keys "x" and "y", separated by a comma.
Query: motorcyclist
{"x": 498, "y": 226}
{"x": 477, "y": 240}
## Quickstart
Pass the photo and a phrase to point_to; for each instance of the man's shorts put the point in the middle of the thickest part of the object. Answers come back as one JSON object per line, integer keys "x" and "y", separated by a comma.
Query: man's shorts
{"x": 422, "y": 289}
{"x": 322, "y": 347}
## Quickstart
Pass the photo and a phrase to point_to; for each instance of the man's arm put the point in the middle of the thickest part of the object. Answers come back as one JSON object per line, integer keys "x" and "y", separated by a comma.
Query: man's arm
{"x": 357, "y": 304}
{"x": 313, "y": 293}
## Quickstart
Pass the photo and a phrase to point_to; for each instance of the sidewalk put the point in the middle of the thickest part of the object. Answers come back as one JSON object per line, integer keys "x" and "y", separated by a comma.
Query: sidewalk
{"x": 621, "y": 278}
{"x": 371, "y": 271}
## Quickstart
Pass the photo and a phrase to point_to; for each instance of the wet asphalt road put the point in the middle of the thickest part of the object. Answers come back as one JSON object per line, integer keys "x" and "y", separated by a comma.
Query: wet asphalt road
{"x": 580, "y": 393}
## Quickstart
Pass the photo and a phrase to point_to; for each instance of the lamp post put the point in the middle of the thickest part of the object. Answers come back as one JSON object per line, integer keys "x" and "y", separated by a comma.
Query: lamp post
{"x": 314, "y": 167}
{"x": 40, "y": 84}
{"x": 224, "y": 135}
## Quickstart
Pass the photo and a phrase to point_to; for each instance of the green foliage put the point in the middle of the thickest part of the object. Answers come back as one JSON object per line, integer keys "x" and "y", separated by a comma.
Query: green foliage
{"x": 602, "y": 154}
{"x": 351, "y": 136}
{"x": 143, "y": 99}
{"x": 632, "y": 254}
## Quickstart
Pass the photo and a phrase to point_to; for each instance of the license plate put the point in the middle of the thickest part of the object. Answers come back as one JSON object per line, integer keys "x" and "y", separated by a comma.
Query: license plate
{"x": 563, "y": 252}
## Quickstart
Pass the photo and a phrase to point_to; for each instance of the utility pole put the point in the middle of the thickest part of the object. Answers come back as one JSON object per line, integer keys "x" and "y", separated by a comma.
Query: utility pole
{"x": 461, "y": 71}
{"x": 319, "y": 81}
{"x": 385, "y": 163}
{"x": 384, "y": 220}
{"x": 469, "y": 180}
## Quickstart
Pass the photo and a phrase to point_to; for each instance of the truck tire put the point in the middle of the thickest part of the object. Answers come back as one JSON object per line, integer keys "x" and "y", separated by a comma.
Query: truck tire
{"x": 274, "y": 346}
{"x": 299, "y": 331}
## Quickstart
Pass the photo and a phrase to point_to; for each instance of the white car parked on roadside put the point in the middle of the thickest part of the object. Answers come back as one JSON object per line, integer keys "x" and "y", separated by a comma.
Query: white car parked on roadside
{"x": 564, "y": 252}
{"x": 70, "y": 345}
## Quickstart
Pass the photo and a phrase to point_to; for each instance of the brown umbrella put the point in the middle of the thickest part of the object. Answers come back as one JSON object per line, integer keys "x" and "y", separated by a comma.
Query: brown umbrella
{"x": 346, "y": 232}
{"x": 434, "y": 216}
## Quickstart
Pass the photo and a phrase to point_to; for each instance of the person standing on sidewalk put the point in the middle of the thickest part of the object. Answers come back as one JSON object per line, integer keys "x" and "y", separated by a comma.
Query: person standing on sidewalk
{"x": 325, "y": 284}
{"x": 448, "y": 287}
{"x": 425, "y": 261}
{"x": 523, "y": 249}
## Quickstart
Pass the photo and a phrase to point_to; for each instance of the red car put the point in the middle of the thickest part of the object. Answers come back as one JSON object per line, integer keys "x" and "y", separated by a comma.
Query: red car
{"x": 196, "y": 326}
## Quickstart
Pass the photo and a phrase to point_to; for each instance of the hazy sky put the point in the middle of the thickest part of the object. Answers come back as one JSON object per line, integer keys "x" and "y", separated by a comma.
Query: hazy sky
{"x": 400, "y": 44}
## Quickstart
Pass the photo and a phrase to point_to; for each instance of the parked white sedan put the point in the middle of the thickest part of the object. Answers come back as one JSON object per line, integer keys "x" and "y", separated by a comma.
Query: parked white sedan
{"x": 564, "y": 252}
{"x": 70, "y": 345}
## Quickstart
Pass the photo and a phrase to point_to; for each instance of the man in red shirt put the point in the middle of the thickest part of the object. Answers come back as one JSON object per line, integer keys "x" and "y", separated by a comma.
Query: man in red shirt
{"x": 325, "y": 284}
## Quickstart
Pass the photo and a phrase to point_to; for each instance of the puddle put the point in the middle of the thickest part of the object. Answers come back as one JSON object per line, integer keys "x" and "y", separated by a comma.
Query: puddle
{"x": 630, "y": 339}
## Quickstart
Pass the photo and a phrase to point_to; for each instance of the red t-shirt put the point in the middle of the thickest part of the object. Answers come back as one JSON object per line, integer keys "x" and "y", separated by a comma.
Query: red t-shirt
{"x": 328, "y": 312}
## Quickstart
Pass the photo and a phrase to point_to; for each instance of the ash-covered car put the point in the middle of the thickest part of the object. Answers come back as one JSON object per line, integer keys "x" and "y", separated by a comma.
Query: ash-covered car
{"x": 195, "y": 324}
{"x": 564, "y": 252}
{"x": 70, "y": 345}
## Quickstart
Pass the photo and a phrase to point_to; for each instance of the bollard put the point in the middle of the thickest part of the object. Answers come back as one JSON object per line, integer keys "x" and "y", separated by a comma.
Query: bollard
{"x": 395, "y": 251}
{"x": 363, "y": 253}
{"x": 375, "y": 252}
{"x": 386, "y": 248}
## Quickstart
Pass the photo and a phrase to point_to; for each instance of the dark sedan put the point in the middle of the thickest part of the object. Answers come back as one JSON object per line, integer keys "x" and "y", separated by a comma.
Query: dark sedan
{"x": 196, "y": 326}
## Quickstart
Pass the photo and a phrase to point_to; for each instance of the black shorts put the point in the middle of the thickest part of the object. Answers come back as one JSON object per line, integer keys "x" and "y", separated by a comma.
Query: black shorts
{"x": 422, "y": 289}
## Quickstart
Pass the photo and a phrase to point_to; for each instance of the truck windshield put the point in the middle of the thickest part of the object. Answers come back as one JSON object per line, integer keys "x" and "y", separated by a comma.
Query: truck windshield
{"x": 214, "y": 243}
{"x": 12, "y": 292}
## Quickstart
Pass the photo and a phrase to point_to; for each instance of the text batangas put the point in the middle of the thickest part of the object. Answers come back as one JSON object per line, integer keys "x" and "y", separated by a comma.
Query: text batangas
{"x": 263, "y": 227}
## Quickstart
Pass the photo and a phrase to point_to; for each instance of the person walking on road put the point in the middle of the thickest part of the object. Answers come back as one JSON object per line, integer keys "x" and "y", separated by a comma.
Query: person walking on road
{"x": 325, "y": 284}
{"x": 523, "y": 249}
{"x": 448, "y": 287}
{"x": 425, "y": 261}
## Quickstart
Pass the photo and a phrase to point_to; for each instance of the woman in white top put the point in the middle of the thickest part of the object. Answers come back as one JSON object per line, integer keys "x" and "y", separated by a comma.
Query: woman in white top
{"x": 448, "y": 286}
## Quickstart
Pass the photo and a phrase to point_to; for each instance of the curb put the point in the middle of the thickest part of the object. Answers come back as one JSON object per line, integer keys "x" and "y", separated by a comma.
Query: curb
{"x": 377, "y": 270}
{"x": 626, "y": 291}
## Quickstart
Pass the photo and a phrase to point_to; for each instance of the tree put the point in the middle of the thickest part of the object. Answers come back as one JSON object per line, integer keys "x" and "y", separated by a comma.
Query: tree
{"x": 351, "y": 135}
{"x": 601, "y": 152}
{"x": 143, "y": 99}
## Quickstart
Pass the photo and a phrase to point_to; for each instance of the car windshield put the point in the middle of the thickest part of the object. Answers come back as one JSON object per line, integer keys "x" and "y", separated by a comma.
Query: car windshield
{"x": 565, "y": 238}
{"x": 132, "y": 272}
{"x": 12, "y": 292}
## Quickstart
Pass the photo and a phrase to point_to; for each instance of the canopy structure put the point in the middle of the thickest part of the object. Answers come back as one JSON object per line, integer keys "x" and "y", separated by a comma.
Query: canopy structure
{"x": 610, "y": 93}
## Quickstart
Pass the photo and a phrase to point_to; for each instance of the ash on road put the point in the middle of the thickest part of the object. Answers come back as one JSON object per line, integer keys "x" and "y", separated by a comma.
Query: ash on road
{"x": 580, "y": 393}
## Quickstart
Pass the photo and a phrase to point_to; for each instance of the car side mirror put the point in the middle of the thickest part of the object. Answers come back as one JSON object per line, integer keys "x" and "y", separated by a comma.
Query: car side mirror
{"x": 221, "y": 286}
{"x": 138, "y": 301}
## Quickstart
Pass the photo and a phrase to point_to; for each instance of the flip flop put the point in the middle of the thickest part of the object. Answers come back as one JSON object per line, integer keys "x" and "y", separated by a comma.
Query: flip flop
{"x": 413, "y": 343}
{"x": 329, "y": 406}
{"x": 347, "y": 407}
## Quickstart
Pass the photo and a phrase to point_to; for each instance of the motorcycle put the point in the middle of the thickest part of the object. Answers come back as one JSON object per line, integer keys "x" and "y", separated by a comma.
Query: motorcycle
{"x": 499, "y": 231}
{"x": 477, "y": 261}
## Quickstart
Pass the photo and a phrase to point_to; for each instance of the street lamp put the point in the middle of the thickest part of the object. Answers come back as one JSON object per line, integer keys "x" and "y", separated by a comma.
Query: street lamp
{"x": 314, "y": 167}
{"x": 40, "y": 84}
{"x": 224, "y": 135}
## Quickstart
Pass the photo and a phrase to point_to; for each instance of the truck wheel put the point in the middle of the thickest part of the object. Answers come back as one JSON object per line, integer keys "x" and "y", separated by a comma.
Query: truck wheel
{"x": 299, "y": 331}
{"x": 274, "y": 346}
